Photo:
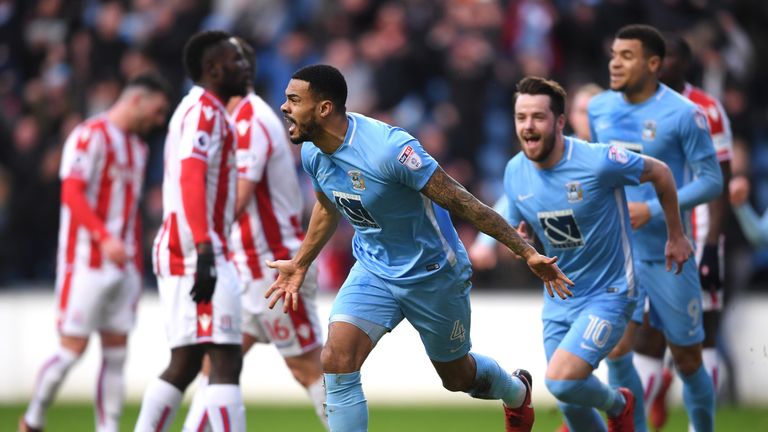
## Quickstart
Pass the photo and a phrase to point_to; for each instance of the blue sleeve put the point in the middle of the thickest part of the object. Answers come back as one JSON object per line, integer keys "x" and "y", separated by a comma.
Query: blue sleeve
{"x": 406, "y": 161}
{"x": 699, "y": 151}
{"x": 501, "y": 207}
{"x": 307, "y": 163}
{"x": 755, "y": 229}
{"x": 618, "y": 166}
{"x": 591, "y": 117}
{"x": 511, "y": 212}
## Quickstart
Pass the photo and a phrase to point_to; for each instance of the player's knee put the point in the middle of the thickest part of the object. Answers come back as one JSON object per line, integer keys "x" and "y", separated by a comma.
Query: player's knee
{"x": 564, "y": 390}
{"x": 226, "y": 369}
{"x": 338, "y": 361}
{"x": 457, "y": 383}
{"x": 75, "y": 345}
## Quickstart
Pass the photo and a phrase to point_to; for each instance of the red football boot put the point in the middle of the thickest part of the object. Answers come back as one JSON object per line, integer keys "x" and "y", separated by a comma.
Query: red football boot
{"x": 658, "y": 414}
{"x": 521, "y": 419}
{"x": 625, "y": 421}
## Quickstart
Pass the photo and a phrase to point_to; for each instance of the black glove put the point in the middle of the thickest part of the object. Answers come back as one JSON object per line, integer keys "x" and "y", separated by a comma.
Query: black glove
{"x": 709, "y": 269}
{"x": 205, "y": 274}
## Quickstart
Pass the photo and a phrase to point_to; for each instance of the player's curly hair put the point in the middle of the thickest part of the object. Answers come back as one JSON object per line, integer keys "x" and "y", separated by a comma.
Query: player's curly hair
{"x": 325, "y": 83}
{"x": 534, "y": 85}
{"x": 196, "y": 47}
{"x": 651, "y": 39}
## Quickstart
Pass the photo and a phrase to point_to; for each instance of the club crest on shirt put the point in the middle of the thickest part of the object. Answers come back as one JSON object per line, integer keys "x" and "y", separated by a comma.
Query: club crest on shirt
{"x": 358, "y": 183}
{"x": 574, "y": 191}
{"x": 649, "y": 130}
{"x": 409, "y": 158}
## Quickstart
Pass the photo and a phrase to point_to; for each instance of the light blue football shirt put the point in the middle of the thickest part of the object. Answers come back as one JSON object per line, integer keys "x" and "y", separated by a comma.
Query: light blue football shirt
{"x": 374, "y": 179}
{"x": 668, "y": 127}
{"x": 578, "y": 210}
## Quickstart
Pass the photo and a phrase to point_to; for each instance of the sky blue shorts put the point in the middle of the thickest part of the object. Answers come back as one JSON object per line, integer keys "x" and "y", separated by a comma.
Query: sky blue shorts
{"x": 675, "y": 301}
{"x": 590, "y": 330}
{"x": 438, "y": 308}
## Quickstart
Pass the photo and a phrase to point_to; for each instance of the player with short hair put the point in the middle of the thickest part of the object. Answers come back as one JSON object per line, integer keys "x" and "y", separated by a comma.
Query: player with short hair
{"x": 197, "y": 282}
{"x": 268, "y": 226}
{"x": 410, "y": 262}
{"x": 571, "y": 193}
{"x": 707, "y": 221}
{"x": 645, "y": 116}
{"x": 99, "y": 264}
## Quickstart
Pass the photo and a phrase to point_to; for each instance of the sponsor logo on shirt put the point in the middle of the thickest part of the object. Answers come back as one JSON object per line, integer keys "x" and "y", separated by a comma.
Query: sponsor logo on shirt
{"x": 633, "y": 147}
{"x": 561, "y": 229}
{"x": 574, "y": 191}
{"x": 358, "y": 183}
{"x": 649, "y": 130}
{"x": 352, "y": 207}
{"x": 409, "y": 158}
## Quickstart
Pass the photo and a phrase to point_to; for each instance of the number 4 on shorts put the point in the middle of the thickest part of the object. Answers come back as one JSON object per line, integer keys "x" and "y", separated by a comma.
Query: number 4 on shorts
{"x": 458, "y": 331}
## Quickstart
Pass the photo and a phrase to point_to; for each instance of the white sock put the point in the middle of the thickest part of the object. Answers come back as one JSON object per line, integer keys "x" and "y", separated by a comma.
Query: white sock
{"x": 159, "y": 406}
{"x": 197, "y": 416}
{"x": 712, "y": 365}
{"x": 51, "y": 374}
{"x": 110, "y": 389}
{"x": 316, "y": 393}
{"x": 226, "y": 411}
{"x": 649, "y": 369}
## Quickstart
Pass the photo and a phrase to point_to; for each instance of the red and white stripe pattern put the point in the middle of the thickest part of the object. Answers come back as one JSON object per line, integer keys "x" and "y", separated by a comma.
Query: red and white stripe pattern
{"x": 106, "y": 165}
{"x": 270, "y": 226}
{"x": 199, "y": 135}
{"x": 720, "y": 129}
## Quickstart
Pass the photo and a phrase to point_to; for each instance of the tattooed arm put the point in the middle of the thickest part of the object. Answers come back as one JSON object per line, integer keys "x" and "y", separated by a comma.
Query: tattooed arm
{"x": 452, "y": 196}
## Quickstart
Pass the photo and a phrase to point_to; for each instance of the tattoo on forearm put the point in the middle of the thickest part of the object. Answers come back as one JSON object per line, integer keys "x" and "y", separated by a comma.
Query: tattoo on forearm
{"x": 452, "y": 196}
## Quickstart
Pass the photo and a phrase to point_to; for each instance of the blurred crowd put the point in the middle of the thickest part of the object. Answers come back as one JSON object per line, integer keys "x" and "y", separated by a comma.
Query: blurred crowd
{"x": 444, "y": 70}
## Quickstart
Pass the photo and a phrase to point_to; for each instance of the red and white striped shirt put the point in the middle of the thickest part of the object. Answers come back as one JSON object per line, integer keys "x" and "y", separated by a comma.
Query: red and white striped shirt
{"x": 102, "y": 172}
{"x": 198, "y": 184}
{"x": 720, "y": 129}
{"x": 270, "y": 226}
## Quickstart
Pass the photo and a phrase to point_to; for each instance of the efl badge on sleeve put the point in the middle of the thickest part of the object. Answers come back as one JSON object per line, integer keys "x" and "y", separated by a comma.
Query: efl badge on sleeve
{"x": 618, "y": 154}
{"x": 409, "y": 158}
{"x": 575, "y": 192}
{"x": 358, "y": 183}
{"x": 649, "y": 130}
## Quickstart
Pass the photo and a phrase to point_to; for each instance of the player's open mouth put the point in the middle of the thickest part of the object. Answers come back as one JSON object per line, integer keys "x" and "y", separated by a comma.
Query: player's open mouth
{"x": 531, "y": 141}
{"x": 291, "y": 124}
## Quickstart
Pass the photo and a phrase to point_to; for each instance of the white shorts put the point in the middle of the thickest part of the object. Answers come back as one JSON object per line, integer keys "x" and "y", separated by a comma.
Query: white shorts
{"x": 189, "y": 323}
{"x": 97, "y": 299}
{"x": 293, "y": 333}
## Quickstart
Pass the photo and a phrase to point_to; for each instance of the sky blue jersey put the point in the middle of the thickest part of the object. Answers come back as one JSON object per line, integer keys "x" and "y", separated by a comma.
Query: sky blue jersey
{"x": 374, "y": 179}
{"x": 578, "y": 209}
{"x": 668, "y": 127}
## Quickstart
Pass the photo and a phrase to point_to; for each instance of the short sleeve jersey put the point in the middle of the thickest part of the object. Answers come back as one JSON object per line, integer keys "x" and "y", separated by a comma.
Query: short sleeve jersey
{"x": 578, "y": 209}
{"x": 374, "y": 179}
{"x": 667, "y": 127}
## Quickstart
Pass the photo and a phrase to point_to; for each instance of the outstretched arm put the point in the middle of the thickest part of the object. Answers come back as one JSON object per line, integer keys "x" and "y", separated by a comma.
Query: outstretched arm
{"x": 322, "y": 224}
{"x": 452, "y": 196}
{"x": 678, "y": 248}
{"x": 755, "y": 228}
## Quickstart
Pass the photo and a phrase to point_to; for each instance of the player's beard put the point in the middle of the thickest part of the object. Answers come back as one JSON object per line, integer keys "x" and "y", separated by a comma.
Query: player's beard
{"x": 547, "y": 145}
{"x": 305, "y": 132}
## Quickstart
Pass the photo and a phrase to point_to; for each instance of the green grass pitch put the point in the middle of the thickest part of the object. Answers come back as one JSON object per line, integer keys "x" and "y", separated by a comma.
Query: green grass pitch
{"x": 67, "y": 417}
